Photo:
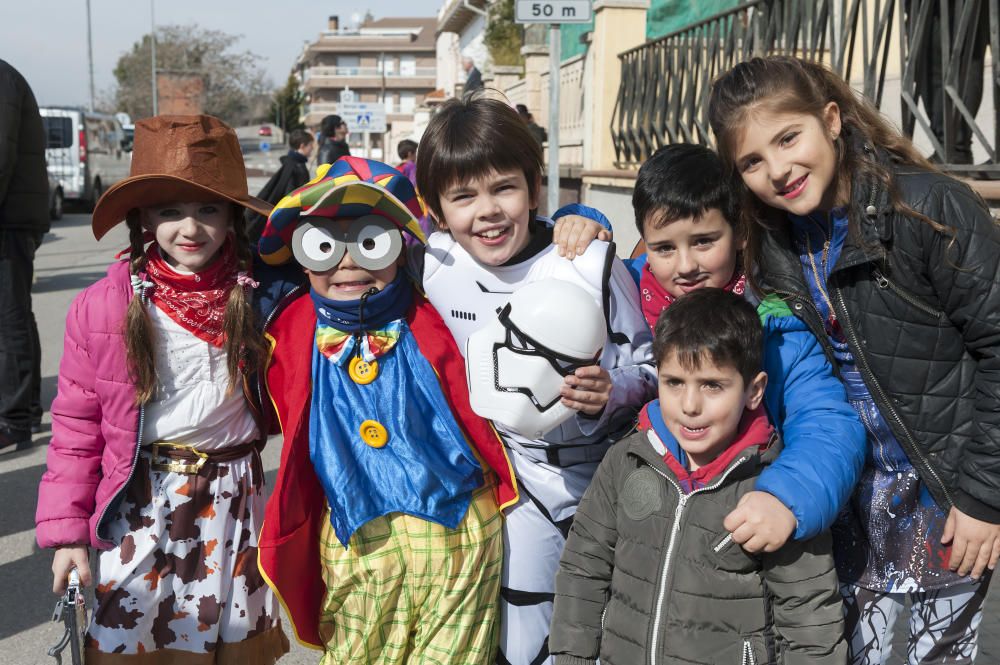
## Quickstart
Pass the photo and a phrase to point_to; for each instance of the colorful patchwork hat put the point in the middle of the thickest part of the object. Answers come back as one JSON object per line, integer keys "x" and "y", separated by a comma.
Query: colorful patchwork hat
{"x": 350, "y": 188}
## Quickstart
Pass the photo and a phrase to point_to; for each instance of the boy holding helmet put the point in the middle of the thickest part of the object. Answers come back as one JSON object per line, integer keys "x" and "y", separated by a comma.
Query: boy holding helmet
{"x": 480, "y": 174}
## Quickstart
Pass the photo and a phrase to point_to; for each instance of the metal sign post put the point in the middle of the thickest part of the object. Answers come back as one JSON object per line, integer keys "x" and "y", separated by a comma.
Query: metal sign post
{"x": 555, "y": 48}
{"x": 555, "y": 13}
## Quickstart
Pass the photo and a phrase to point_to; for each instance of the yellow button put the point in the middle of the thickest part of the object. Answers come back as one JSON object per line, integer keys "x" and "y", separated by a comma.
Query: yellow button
{"x": 374, "y": 434}
{"x": 361, "y": 371}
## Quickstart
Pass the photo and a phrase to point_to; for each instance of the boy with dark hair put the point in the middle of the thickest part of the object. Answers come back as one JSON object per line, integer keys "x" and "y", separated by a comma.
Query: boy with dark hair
{"x": 649, "y": 574}
{"x": 480, "y": 174}
{"x": 301, "y": 141}
{"x": 292, "y": 174}
{"x": 407, "y": 151}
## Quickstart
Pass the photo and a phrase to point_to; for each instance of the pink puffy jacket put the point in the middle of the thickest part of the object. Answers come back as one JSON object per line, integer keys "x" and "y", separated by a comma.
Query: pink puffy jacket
{"x": 95, "y": 420}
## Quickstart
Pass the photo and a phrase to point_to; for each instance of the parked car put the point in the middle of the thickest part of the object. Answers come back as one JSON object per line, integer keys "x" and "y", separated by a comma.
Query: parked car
{"x": 55, "y": 198}
{"x": 265, "y": 130}
{"x": 86, "y": 152}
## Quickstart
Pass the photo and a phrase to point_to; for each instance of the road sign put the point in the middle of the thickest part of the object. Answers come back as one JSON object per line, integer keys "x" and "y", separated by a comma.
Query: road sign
{"x": 363, "y": 116}
{"x": 553, "y": 11}
{"x": 264, "y": 147}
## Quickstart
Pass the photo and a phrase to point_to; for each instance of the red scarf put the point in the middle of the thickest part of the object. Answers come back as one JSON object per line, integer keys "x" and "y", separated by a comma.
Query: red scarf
{"x": 196, "y": 301}
{"x": 655, "y": 298}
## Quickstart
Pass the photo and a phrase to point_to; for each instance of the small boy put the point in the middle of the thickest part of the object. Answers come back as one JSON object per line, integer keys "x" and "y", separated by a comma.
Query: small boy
{"x": 407, "y": 151}
{"x": 649, "y": 574}
{"x": 383, "y": 535}
{"x": 292, "y": 174}
{"x": 480, "y": 174}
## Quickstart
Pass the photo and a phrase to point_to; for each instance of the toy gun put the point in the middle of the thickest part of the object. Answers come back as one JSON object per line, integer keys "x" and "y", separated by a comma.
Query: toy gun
{"x": 71, "y": 609}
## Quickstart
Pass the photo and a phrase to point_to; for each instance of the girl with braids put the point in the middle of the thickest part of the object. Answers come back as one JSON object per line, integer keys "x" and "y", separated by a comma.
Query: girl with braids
{"x": 155, "y": 453}
{"x": 894, "y": 268}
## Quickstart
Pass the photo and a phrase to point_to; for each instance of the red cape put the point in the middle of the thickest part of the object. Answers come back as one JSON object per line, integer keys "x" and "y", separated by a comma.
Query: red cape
{"x": 288, "y": 548}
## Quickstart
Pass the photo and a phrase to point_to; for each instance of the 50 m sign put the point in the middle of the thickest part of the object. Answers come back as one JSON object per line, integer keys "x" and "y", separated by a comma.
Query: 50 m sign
{"x": 553, "y": 11}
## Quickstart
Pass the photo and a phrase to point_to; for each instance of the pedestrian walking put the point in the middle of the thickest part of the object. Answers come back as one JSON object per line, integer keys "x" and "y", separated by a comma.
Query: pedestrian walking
{"x": 24, "y": 220}
{"x": 473, "y": 77}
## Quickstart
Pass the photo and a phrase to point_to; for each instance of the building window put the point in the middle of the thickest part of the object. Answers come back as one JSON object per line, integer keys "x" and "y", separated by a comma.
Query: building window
{"x": 390, "y": 103}
{"x": 407, "y": 101}
{"x": 387, "y": 63}
{"x": 407, "y": 65}
{"x": 347, "y": 65}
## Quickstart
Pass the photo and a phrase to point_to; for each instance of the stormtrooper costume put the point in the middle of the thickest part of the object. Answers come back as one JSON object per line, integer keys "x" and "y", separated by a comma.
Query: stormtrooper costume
{"x": 552, "y": 471}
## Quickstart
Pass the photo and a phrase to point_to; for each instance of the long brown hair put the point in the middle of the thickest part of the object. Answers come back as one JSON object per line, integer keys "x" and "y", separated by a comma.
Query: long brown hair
{"x": 244, "y": 345}
{"x": 783, "y": 84}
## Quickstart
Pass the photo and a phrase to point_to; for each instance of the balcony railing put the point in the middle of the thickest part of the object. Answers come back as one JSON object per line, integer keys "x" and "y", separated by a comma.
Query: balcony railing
{"x": 571, "y": 127}
{"x": 665, "y": 84}
{"x": 368, "y": 72}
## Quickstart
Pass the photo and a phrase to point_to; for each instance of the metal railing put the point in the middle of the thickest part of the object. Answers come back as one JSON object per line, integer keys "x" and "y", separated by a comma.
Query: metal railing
{"x": 932, "y": 75}
{"x": 571, "y": 119}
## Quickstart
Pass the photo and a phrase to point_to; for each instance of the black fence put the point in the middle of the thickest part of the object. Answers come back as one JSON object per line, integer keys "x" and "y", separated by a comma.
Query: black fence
{"x": 944, "y": 51}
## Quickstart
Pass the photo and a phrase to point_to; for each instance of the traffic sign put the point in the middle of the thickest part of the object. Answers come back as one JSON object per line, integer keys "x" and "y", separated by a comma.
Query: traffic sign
{"x": 364, "y": 116}
{"x": 553, "y": 11}
{"x": 264, "y": 146}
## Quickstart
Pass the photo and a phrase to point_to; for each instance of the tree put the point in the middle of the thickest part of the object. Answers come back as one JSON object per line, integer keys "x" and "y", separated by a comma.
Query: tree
{"x": 503, "y": 37}
{"x": 286, "y": 105}
{"x": 232, "y": 81}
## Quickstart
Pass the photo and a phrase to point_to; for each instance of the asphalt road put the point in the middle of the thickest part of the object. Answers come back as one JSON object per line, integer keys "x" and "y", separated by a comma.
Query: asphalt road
{"x": 69, "y": 260}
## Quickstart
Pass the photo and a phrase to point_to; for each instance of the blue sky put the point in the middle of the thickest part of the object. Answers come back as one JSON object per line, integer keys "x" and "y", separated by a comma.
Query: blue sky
{"x": 46, "y": 40}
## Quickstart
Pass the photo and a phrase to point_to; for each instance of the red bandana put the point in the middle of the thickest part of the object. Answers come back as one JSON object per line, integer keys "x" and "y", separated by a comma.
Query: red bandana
{"x": 196, "y": 301}
{"x": 655, "y": 298}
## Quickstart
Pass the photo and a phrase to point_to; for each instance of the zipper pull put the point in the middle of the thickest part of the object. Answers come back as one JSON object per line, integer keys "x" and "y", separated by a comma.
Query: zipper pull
{"x": 880, "y": 279}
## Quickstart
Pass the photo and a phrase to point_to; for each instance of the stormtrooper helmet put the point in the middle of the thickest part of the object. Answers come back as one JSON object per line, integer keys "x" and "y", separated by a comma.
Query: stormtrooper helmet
{"x": 516, "y": 363}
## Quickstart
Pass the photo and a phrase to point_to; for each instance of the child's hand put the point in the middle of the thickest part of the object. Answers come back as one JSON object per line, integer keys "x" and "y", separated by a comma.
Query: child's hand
{"x": 572, "y": 234}
{"x": 587, "y": 390}
{"x": 975, "y": 545}
{"x": 66, "y": 558}
{"x": 760, "y": 523}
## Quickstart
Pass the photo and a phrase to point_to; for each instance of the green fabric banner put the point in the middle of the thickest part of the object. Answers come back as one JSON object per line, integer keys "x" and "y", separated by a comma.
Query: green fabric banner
{"x": 663, "y": 17}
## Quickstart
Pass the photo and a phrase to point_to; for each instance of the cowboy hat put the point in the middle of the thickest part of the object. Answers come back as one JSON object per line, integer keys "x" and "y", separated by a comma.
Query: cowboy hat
{"x": 178, "y": 158}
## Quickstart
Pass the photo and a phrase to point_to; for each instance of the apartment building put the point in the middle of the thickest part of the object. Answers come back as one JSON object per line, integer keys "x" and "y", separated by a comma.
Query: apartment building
{"x": 391, "y": 61}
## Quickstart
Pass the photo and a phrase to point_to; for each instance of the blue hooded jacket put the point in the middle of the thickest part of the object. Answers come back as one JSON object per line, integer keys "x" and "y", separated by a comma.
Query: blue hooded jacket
{"x": 825, "y": 443}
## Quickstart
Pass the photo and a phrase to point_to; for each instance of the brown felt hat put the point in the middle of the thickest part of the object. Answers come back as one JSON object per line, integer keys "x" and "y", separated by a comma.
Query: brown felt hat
{"x": 178, "y": 158}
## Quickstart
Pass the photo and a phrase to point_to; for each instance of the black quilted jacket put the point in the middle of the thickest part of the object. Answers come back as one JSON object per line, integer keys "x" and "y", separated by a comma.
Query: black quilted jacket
{"x": 24, "y": 183}
{"x": 921, "y": 312}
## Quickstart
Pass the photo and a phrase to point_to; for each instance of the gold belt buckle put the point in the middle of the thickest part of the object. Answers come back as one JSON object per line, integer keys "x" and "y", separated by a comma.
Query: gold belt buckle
{"x": 174, "y": 465}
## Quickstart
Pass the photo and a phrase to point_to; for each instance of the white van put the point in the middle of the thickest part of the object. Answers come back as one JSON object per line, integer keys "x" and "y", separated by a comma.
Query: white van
{"x": 86, "y": 152}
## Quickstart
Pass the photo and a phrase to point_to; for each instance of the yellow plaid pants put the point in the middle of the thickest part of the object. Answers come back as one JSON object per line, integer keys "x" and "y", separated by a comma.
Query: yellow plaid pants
{"x": 407, "y": 590}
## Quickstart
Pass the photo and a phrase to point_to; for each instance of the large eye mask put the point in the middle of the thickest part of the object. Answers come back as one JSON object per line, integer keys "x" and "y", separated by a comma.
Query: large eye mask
{"x": 319, "y": 243}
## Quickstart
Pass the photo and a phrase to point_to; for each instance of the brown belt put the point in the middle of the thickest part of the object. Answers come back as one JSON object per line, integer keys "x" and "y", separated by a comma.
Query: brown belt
{"x": 171, "y": 456}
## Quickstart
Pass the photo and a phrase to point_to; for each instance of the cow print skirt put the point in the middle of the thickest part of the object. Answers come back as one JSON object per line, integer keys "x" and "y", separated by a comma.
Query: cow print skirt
{"x": 182, "y": 584}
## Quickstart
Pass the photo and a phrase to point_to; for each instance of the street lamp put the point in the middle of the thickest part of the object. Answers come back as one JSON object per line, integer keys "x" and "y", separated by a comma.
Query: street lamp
{"x": 90, "y": 58}
{"x": 152, "y": 45}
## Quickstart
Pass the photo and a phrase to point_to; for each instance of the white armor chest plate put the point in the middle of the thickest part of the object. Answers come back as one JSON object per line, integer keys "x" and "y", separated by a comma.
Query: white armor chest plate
{"x": 468, "y": 295}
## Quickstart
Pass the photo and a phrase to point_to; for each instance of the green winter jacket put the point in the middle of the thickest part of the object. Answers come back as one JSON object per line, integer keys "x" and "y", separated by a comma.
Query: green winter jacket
{"x": 649, "y": 575}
